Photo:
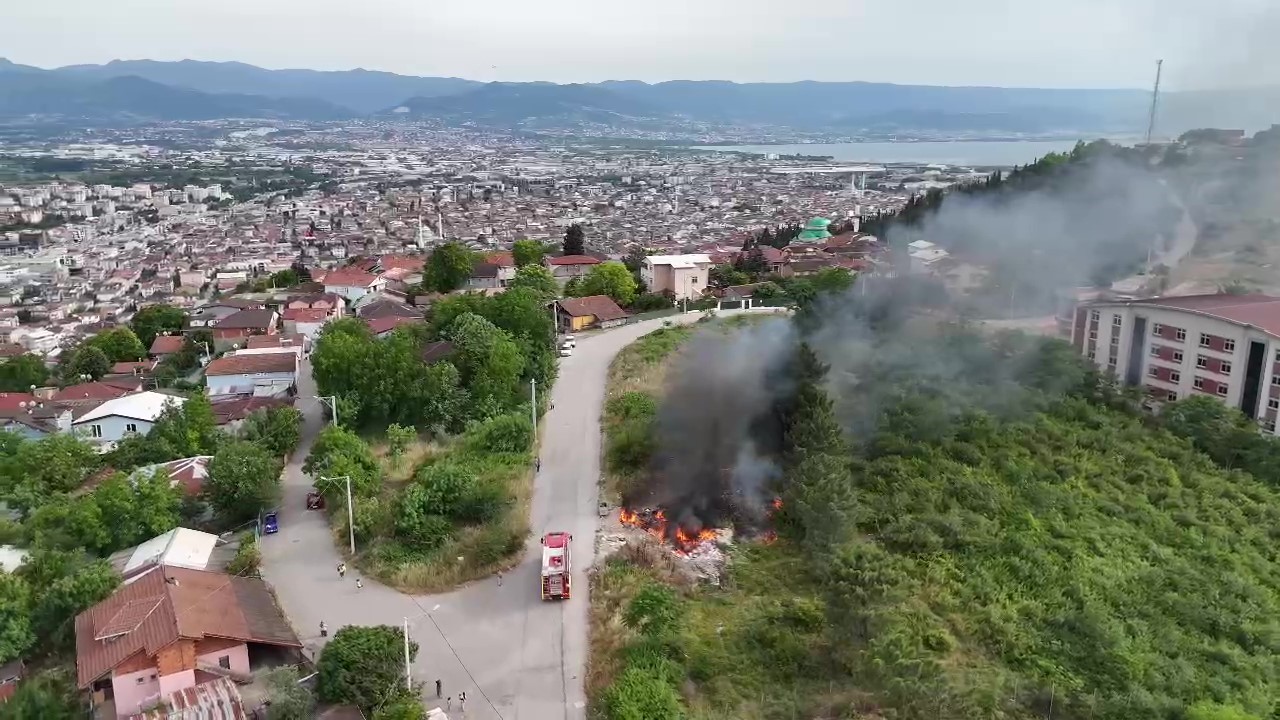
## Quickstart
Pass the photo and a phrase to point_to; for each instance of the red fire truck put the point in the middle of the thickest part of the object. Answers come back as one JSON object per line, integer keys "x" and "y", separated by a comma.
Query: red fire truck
{"x": 556, "y": 566}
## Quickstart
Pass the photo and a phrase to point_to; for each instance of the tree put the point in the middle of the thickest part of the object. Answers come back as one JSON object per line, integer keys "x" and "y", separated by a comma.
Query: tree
{"x": 538, "y": 279}
{"x": 337, "y": 452}
{"x": 154, "y": 320}
{"x": 489, "y": 361}
{"x": 399, "y": 438}
{"x": 574, "y": 241}
{"x": 139, "y": 507}
{"x": 286, "y": 278}
{"x": 290, "y": 699}
{"x": 244, "y": 480}
{"x": 722, "y": 276}
{"x": 48, "y": 696}
{"x": 278, "y": 430}
{"x": 832, "y": 280}
{"x": 404, "y": 709}
{"x": 363, "y": 666}
{"x": 67, "y": 523}
{"x": 18, "y": 374}
{"x": 16, "y": 637}
{"x": 119, "y": 344}
{"x": 527, "y": 252}
{"x": 448, "y": 268}
{"x": 33, "y": 472}
{"x": 72, "y": 585}
{"x": 634, "y": 259}
{"x": 612, "y": 279}
{"x": 186, "y": 430}
{"x": 87, "y": 360}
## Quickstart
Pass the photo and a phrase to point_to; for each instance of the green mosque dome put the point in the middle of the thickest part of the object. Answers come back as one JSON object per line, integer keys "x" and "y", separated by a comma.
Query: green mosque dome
{"x": 814, "y": 230}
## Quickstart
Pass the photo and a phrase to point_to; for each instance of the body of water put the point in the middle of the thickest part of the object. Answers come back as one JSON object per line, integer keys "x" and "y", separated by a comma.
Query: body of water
{"x": 1007, "y": 153}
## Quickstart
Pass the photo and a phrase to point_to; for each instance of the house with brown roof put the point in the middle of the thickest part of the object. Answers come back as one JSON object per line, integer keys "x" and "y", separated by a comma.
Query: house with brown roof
{"x": 594, "y": 311}
{"x": 352, "y": 283}
{"x": 166, "y": 345}
{"x": 172, "y": 629}
{"x": 260, "y": 374}
{"x": 237, "y": 326}
{"x": 567, "y": 267}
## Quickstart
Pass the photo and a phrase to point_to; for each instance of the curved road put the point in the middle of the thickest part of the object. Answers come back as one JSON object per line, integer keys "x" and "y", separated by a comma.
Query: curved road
{"x": 514, "y": 655}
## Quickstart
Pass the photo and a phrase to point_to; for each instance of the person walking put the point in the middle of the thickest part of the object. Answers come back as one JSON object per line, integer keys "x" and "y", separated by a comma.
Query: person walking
{"x": 448, "y": 704}
{"x": 359, "y": 584}
{"x": 438, "y": 695}
{"x": 462, "y": 702}
{"x": 342, "y": 570}
{"x": 537, "y": 464}
{"x": 499, "y": 578}
{"x": 324, "y": 629}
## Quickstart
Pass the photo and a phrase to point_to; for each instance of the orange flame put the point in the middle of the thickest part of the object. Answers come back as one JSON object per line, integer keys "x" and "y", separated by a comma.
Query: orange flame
{"x": 656, "y": 524}
{"x": 777, "y": 503}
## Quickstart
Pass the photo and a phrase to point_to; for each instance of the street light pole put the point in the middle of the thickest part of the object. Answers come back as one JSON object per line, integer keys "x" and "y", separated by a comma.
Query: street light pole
{"x": 533, "y": 407}
{"x": 408, "y": 677}
{"x": 351, "y": 523}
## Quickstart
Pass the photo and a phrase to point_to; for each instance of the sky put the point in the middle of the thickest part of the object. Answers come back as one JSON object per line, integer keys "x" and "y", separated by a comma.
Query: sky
{"x": 1025, "y": 43}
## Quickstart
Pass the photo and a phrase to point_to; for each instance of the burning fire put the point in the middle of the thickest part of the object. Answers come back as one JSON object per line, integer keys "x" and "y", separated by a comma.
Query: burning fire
{"x": 655, "y": 523}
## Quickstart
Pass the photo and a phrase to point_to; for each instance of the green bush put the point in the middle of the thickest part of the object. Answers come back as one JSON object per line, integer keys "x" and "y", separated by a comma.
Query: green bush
{"x": 440, "y": 489}
{"x": 483, "y": 503}
{"x": 638, "y": 695}
{"x": 247, "y": 560}
{"x": 631, "y": 445}
{"x": 632, "y": 405}
{"x": 492, "y": 544}
{"x": 510, "y": 433}
{"x": 421, "y": 530}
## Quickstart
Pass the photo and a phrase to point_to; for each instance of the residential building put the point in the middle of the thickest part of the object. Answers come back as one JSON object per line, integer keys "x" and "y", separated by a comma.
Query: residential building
{"x": 924, "y": 257}
{"x": 1219, "y": 345}
{"x": 567, "y": 267}
{"x": 166, "y": 345}
{"x": 133, "y": 414}
{"x": 264, "y": 374}
{"x": 180, "y": 547}
{"x": 684, "y": 276}
{"x": 237, "y": 326}
{"x": 172, "y": 629}
{"x": 594, "y": 311}
{"x": 352, "y": 283}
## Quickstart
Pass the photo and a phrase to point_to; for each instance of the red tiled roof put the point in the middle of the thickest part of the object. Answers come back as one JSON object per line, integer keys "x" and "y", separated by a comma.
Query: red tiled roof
{"x": 305, "y": 315}
{"x": 227, "y": 410}
{"x": 130, "y": 368}
{"x": 574, "y": 260}
{"x": 291, "y": 340}
{"x": 256, "y": 363}
{"x": 247, "y": 320}
{"x": 379, "y": 325}
{"x": 167, "y": 344}
{"x": 9, "y": 401}
{"x": 501, "y": 259}
{"x": 349, "y": 277}
{"x": 169, "y": 604}
{"x": 1260, "y": 311}
{"x": 95, "y": 391}
{"x": 8, "y": 350}
{"x": 601, "y": 306}
{"x": 403, "y": 262}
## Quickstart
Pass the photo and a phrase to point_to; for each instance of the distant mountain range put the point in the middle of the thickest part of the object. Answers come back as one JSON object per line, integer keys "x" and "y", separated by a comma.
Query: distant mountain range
{"x": 193, "y": 90}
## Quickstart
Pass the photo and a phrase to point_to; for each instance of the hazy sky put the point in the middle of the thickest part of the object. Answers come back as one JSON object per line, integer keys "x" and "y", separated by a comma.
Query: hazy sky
{"x": 1063, "y": 43}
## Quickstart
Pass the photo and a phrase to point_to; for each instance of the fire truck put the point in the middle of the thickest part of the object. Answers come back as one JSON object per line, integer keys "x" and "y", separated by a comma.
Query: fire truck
{"x": 556, "y": 566}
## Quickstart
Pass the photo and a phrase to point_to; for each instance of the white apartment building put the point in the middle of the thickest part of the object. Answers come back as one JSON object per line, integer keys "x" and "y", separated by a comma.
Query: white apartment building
{"x": 1223, "y": 346}
{"x": 684, "y": 275}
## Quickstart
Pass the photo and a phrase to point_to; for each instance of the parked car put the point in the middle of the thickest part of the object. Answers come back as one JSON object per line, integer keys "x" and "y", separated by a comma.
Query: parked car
{"x": 270, "y": 523}
{"x": 565, "y": 351}
{"x": 570, "y": 341}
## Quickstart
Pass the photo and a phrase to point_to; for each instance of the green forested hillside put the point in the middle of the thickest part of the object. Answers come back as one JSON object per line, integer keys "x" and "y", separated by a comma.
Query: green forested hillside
{"x": 1040, "y": 551}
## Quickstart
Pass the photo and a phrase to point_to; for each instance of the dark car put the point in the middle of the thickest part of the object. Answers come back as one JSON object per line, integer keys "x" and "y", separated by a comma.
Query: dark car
{"x": 270, "y": 524}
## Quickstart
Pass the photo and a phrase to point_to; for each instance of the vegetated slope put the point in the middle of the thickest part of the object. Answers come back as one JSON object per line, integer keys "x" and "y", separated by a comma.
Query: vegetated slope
{"x": 363, "y": 91}
{"x": 27, "y": 91}
{"x": 989, "y": 547}
{"x": 509, "y": 104}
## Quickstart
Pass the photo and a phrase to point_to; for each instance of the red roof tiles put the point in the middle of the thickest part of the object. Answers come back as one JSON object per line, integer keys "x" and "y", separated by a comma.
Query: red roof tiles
{"x": 274, "y": 362}
{"x": 574, "y": 260}
{"x": 167, "y": 344}
{"x": 601, "y": 306}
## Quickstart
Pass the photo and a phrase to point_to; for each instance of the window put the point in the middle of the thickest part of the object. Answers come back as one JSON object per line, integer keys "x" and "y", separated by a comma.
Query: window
{"x": 1273, "y": 403}
{"x": 1111, "y": 361}
{"x": 95, "y": 431}
{"x": 1275, "y": 379}
{"x": 1204, "y": 340}
{"x": 1172, "y": 396}
{"x": 1155, "y": 351}
{"x": 1093, "y": 334}
{"x": 1153, "y": 371}
{"x": 131, "y": 427}
{"x": 1177, "y": 356}
{"x": 1224, "y": 368}
{"x": 141, "y": 680}
{"x": 1202, "y": 361}
{"x": 224, "y": 662}
{"x": 1175, "y": 376}
{"x": 1115, "y": 320}
{"x": 1228, "y": 345}
{"x": 1115, "y": 340}
{"x": 1092, "y": 355}
{"x": 1222, "y": 389}
{"x": 1093, "y": 315}
{"x": 1198, "y": 383}
{"x": 1270, "y": 425}
{"x": 1157, "y": 329}
{"x": 1180, "y": 334}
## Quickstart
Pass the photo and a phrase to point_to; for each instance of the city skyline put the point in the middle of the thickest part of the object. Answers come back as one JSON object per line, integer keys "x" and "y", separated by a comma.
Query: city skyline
{"x": 1092, "y": 43}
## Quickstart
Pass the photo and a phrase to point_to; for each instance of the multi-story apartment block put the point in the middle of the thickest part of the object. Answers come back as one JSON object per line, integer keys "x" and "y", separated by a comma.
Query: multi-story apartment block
{"x": 1223, "y": 346}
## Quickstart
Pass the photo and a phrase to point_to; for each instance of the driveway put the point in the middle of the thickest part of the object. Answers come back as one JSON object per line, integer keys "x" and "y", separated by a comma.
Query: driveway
{"x": 513, "y": 654}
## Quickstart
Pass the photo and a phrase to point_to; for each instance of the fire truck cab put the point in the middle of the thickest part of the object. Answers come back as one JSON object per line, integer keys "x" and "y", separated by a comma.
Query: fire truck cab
{"x": 556, "y": 566}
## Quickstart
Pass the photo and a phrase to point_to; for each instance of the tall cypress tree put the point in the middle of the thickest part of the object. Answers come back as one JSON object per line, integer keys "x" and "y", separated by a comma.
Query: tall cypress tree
{"x": 574, "y": 240}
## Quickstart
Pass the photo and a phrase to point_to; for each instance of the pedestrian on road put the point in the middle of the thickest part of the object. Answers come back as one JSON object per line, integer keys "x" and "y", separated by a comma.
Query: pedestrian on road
{"x": 499, "y": 578}
{"x": 462, "y": 702}
{"x": 448, "y": 704}
{"x": 438, "y": 695}
{"x": 342, "y": 569}
{"x": 359, "y": 584}
{"x": 324, "y": 629}
{"x": 537, "y": 464}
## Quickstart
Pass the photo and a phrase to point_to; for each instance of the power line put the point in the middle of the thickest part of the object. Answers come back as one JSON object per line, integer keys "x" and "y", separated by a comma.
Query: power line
{"x": 465, "y": 669}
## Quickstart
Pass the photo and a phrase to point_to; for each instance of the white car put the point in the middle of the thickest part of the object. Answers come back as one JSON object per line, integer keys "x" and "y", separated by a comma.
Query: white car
{"x": 569, "y": 341}
{"x": 565, "y": 351}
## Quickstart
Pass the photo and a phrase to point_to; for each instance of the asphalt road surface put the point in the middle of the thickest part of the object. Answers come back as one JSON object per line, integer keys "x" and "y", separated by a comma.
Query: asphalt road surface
{"x": 515, "y": 656}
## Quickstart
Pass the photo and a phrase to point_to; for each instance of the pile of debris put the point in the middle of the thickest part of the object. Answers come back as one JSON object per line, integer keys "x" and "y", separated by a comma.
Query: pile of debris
{"x": 703, "y": 558}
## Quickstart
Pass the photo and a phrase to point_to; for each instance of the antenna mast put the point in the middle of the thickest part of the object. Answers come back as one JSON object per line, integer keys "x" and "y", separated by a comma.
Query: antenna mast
{"x": 1155, "y": 101}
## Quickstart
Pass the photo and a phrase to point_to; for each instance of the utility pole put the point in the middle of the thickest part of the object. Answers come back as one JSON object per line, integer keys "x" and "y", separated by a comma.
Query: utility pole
{"x": 408, "y": 677}
{"x": 533, "y": 407}
{"x": 351, "y": 524}
{"x": 1155, "y": 101}
{"x": 332, "y": 402}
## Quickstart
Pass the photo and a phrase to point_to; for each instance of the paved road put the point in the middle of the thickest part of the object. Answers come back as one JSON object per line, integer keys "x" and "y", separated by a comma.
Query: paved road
{"x": 501, "y": 643}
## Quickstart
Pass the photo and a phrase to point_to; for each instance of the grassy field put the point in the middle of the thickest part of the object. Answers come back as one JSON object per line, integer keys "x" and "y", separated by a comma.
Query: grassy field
{"x": 469, "y": 550}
